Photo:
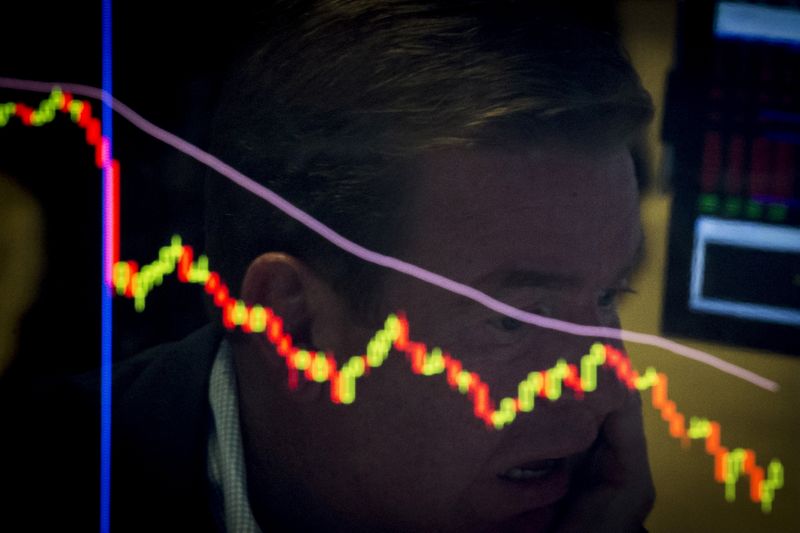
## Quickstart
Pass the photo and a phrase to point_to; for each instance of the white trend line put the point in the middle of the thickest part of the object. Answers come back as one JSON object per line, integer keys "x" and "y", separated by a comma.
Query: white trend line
{"x": 383, "y": 260}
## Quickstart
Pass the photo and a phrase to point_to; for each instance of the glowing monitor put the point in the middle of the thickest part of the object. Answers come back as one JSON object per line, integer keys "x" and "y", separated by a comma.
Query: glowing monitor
{"x": 754, "y": 22}
{"x": 765, "y": 286}
{"x": 733, "y": 125}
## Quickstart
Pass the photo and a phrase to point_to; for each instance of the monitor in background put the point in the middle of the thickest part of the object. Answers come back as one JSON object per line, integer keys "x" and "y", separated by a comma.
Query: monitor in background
{"x": 732, "y": 125}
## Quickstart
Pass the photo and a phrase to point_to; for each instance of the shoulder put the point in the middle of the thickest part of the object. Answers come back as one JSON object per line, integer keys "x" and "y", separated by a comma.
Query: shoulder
{"x": 165, "y": 375}
{"x": 160, "y": 418}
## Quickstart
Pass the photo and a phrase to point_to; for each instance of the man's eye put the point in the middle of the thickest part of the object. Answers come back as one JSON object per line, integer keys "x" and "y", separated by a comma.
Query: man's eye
{"x": 609, "y": 297}
{"x": 505, "y": 323}
{"x": 509, "y": 324}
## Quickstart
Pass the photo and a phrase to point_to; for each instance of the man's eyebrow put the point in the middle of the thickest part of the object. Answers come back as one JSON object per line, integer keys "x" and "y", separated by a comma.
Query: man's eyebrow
{"x": 515, "y": 278}
{"x": 535, "y": 278}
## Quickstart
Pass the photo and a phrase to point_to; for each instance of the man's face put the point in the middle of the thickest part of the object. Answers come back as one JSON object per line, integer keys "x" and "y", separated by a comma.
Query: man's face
{"x": 550, "y": 231}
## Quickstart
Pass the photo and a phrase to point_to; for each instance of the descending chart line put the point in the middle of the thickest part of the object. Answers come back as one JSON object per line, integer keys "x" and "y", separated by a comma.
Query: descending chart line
{"x": 387, "y": 261}
{"x": 137, "y": 283}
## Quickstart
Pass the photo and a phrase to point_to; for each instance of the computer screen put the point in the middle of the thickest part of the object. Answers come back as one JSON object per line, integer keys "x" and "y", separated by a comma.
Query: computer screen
{"x": 733, "y": 123}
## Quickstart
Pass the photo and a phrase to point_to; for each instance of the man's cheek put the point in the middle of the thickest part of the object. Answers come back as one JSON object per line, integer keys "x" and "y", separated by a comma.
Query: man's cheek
{"x": 535, "y": 521}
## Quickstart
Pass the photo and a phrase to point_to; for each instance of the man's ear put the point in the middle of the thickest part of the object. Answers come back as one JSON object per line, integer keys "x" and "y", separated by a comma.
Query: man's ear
{"x": 280, "y": 282}
{"x": 312, "y": 312}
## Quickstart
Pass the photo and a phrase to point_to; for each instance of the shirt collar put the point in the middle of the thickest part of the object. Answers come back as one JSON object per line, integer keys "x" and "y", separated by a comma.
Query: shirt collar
{"x": 226, "y": 469}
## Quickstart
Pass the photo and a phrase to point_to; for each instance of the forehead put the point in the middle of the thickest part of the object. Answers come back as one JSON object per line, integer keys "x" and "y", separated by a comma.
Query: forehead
{"x": 559, "y": 209}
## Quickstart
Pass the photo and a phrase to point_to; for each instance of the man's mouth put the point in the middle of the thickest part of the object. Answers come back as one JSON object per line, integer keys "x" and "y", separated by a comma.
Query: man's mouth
{"x": 526, "y": 484}
{"x": 533, "y": 471}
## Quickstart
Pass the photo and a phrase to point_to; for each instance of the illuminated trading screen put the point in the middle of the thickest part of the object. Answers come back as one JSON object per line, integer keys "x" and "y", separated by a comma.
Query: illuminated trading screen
{"x": 733, "y": 120}
{"x": 742, "y": 205}
{"x": 130, "y": 280}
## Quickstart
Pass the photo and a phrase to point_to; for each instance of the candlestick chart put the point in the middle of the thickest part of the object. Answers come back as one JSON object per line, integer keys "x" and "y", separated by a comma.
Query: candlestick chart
{"x": 130, "y": 280}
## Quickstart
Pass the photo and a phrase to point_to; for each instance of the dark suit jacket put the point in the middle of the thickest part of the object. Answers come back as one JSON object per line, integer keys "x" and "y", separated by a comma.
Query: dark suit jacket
{"x": 160, "y": 420}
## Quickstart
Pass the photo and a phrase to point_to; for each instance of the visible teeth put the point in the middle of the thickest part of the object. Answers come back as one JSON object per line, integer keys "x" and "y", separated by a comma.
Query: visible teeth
{"x": 522, "y": 474}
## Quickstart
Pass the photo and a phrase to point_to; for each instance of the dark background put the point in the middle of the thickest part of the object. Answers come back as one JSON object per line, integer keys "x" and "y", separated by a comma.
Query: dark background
{"x": 169, "y": 61}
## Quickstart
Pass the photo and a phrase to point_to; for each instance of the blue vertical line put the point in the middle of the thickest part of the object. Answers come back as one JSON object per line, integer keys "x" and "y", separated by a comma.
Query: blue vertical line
{"x": 107, "y": 316}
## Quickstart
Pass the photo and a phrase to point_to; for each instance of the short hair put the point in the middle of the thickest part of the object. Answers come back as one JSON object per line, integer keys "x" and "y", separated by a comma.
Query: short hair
{"x": 336, "y": 100}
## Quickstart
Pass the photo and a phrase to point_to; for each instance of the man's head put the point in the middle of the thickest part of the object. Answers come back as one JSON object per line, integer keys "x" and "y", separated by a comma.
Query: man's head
{"x": 335, "y": 102}
{"x": 482, "y": 140}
